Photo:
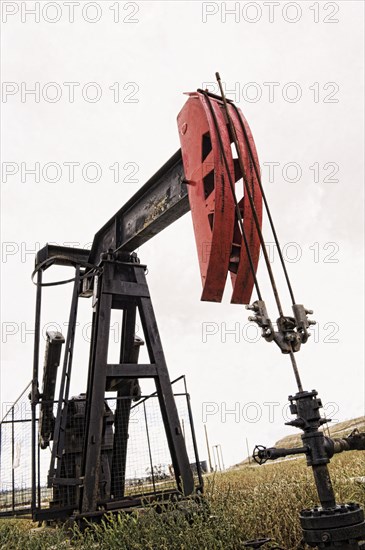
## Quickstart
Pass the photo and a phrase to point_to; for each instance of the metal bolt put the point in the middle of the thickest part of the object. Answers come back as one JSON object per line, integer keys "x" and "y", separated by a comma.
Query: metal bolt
{"x": 325, "y": 537}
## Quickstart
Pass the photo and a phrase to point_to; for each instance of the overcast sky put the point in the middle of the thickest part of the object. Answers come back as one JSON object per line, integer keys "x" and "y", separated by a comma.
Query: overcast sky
{"x": 107, "y": 90}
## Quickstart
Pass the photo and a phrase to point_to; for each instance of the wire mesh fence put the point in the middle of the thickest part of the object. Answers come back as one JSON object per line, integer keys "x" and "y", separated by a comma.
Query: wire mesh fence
{"x": 15, "y": 455}
{"x": 135, "y": 458}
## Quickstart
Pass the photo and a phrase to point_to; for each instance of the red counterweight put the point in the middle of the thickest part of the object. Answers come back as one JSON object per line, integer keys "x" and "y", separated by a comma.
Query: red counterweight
{"x": 204, "y": 132}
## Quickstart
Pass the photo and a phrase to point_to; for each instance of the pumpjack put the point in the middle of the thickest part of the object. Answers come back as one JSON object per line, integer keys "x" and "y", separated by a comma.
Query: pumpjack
{"x": 217, "y": 163}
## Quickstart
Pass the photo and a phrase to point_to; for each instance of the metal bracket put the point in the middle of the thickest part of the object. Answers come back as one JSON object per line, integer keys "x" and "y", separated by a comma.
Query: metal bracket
{"x": 291, "y": 332}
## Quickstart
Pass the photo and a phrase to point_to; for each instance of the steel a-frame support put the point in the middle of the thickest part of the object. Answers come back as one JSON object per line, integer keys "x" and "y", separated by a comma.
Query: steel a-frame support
{"x": 122, "y": 285}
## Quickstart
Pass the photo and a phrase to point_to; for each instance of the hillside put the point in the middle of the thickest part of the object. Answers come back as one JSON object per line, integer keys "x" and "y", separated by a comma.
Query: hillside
{"x": 340, "y": 429}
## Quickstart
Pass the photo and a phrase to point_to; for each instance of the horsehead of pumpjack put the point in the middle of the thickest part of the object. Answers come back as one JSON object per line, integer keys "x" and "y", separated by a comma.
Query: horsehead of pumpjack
{"x": 220, "y": 164}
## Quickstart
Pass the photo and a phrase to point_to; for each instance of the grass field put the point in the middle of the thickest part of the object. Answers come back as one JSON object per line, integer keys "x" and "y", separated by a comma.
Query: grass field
{"x": 244, "y": 503}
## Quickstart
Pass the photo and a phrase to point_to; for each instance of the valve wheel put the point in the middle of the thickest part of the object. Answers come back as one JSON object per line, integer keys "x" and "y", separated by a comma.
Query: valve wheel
{"x": 257, "y": 454}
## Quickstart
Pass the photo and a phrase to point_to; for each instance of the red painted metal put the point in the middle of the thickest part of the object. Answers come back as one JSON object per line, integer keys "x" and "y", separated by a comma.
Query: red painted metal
{"x": 218, "y": 239}
{"x": 242, "y": 280}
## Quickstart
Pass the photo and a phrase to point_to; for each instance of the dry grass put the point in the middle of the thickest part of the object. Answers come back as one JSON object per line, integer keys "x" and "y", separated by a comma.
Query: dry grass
{"x": 245, "y": 503}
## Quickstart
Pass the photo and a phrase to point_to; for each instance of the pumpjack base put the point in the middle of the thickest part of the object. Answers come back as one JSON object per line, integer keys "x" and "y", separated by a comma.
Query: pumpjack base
{"x": 127, "y": 505}
{"x": 112, "y": 447}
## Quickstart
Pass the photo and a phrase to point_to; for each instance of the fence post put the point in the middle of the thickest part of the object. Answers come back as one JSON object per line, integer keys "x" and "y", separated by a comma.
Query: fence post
{"x": 39, "y": 474}
{"x": 195, "y": 445}
{"x": 34, "y": 393}
{"x": 149, "y": 446}
{"x": 12, "y": 460}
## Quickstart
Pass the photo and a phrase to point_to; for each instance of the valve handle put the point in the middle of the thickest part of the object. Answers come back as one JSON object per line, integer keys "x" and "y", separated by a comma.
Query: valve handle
{"x": 259, "y": 454}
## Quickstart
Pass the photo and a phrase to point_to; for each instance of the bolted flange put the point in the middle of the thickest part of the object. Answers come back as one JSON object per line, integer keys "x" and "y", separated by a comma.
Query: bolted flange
{"x": 340, "y": 527}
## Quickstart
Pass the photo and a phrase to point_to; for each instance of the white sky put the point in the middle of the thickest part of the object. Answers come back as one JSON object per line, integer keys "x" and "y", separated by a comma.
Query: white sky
{"x": 169, "y": 50}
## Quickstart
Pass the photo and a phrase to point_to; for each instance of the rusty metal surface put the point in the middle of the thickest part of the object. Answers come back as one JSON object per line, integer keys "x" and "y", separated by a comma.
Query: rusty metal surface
{"x": 161, "y": 201}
